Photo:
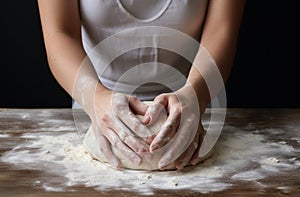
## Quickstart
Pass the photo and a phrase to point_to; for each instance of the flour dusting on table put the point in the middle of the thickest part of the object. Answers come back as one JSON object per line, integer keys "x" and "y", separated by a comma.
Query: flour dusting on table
{"x": 239, "y": 155}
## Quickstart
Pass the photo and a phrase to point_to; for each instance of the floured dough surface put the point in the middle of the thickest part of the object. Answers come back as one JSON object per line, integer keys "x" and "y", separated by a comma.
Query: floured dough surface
{"x": 92, "y": 147}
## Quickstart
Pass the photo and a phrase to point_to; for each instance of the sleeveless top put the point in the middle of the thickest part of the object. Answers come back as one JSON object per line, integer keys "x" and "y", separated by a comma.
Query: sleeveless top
{"x": 104, "y": 18}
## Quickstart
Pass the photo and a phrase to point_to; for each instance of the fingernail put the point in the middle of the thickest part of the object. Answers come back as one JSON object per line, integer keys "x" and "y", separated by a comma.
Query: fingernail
{"x": 162, "y": 164}
{"x": 146, "y": 119}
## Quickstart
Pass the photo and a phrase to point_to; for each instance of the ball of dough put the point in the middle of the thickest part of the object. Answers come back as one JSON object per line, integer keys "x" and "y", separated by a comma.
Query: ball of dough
{"x": 92, "y": 147}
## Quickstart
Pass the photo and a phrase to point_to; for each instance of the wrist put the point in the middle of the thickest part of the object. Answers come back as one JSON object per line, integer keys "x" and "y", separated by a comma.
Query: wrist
{"x": 202, "y": 94}
{"x": 100, "y": 97}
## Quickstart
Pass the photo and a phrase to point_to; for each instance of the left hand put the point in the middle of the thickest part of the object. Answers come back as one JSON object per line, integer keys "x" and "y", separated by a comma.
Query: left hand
{"x": 182, "y": 133}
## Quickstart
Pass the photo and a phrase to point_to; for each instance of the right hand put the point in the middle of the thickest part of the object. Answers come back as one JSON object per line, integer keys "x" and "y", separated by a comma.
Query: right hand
{"x": 115, "y": 124}
{"x": 182, "y": 133}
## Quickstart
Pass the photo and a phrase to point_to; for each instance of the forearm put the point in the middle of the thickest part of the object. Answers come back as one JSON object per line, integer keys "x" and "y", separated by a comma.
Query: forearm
{"x": 64, "y": 57}
{"x": 219, "y": 40}
{"x": 72, "y": 69}
{"x": 67, "y": 58}
{"x": 196, "y": 80}
{"x": 212, "y": 66}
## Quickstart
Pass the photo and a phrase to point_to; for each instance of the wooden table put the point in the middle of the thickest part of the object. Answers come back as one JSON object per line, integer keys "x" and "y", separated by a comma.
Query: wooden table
{"x": 15, "y": 181}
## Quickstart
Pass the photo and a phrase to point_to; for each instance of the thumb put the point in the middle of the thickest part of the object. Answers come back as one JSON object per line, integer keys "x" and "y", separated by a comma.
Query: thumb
{"x": 137, "y": 106}
{"x": 155, "y": 109}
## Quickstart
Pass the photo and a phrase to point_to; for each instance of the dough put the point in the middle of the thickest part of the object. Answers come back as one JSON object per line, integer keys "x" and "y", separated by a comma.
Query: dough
{"x": 93, "y": 148}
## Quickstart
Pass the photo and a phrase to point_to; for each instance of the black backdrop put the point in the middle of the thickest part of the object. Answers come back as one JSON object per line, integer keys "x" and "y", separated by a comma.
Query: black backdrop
{"x": 265, "y": 72}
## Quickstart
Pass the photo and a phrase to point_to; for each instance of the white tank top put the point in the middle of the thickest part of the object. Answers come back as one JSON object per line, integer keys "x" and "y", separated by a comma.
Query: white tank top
{"x": 104, "y": 18}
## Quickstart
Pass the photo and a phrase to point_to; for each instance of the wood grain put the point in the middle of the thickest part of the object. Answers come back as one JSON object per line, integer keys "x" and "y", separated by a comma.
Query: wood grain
{"x": 20, "y": 182}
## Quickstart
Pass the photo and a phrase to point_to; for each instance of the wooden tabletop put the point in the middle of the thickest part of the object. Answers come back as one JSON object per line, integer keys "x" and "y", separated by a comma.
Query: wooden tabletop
{"x": 276, "y": 126}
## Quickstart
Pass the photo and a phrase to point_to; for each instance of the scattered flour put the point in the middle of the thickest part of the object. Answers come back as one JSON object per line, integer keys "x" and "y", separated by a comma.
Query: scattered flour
{"x": 248, "y": 175}
{"x": 4, "y": 135}
{"x": 239, "y": 155}
{"x": 270, "y": 161}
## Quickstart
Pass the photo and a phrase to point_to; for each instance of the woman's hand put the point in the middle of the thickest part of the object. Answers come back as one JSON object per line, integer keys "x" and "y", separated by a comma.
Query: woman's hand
{"x": 182, "y": 133}
{"x": 115, "y": 124}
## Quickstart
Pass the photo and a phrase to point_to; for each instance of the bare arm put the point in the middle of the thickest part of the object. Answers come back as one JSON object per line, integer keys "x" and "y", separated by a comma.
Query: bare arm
{"x": 219, "y": 37}
{"x": 61, "y": 26}
{"x": 62, "y": 35}
{"x": 213, "y": 62}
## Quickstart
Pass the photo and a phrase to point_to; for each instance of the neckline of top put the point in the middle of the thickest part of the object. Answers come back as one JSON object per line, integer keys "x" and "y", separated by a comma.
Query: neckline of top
{"x": 156, "y": 16}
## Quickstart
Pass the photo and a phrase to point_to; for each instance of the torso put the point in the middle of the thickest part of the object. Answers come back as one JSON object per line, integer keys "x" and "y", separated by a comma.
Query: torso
{"x": 104, "y": 18}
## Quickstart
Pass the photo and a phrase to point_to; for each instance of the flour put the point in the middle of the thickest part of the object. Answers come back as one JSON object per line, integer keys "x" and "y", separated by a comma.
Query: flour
{"x": 248, "y": 175}
{"x": 4, "y": 135}
{"x": 239, "y": 155}
{"x": 271, "y": 161}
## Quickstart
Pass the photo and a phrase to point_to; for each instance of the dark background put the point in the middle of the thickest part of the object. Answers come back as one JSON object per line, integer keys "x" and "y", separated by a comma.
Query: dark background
{"x": 265, "y": 72}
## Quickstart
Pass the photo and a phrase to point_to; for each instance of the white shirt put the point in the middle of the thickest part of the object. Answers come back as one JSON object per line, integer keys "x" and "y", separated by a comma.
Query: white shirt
{"x": 104, "y": 18}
